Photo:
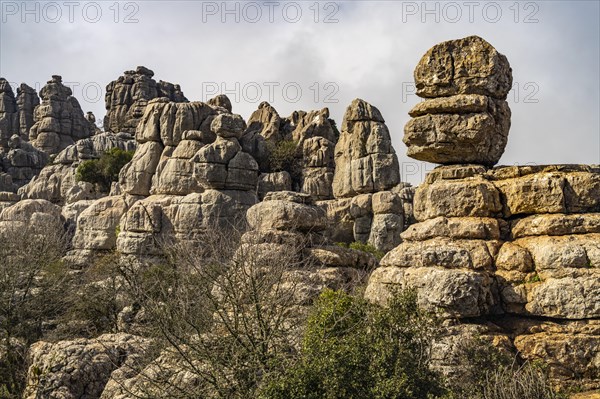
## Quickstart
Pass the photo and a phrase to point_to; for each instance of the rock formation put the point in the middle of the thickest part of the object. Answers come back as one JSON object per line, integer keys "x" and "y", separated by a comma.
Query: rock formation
{"x": 290, "y": 223}
{"x": 293, "y": 153}
{"x": 59, "y": 120}
{"x": 127, "y": 97}
{"x": 80, "y": 368}
{"x": 465, "y": 117}
{"x": 27, "y": 101}
{"x": 507, "y": 253}
{"x": 520, "y": 241}
{"x": 19, "y": 161}
{"x": 56, "y": 182}
{"x": 9, "y": 114}
{"x": 365, "y": 161}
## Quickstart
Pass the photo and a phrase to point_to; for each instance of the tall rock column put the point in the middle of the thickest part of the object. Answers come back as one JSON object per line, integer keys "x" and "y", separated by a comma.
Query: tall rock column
{"x": 519, "y": 240}
{"x": 9, "y": 117}
{"x": 59, "y": 120}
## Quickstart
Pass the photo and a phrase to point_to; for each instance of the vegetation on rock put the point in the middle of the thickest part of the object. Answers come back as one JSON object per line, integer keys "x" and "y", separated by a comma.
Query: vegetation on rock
{"x": 105, "y": 170}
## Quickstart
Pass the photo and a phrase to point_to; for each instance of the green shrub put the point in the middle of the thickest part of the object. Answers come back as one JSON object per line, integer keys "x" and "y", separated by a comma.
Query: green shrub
{"x": 282, "y": 156}
{"x": 361, "y": 246}
{"x": 356, "y": 350}
{"x": 105, "y": 170}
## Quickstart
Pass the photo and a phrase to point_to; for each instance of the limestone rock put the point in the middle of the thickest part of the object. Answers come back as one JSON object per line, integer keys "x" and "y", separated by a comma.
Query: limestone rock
{"x": 285, "y": 215}
{"x": 57, "y": 183}
{"x": 457, "y": 198}
{"x": 27, "y": 101}
{"x": 97, "y": 226}
{"x": 465, "y": 118}
{"x": 570, "y": 349}
{"x": 220, "y": 101}
{"x": 455, "y": 228}
{"x": 464, "y": 66}
{"x": 59, "y": 120}
{"x": 9, "y": 117}
{"x": 276, "y": 181}
{"x": 21, "y": 160}
{"x": 136, "y": 177}
{"x": 444, "y": 252}
{"x": 461, "y": 136}
{"x": 364, "y": 157}
{"x": 454, "y": 292}
{"x": 79, "y": 368}
{"x": 228, "y": 126}
{"x": 127, "y": 98}
{"x": 31, "y": 213}
{"x": 556, "y": 224}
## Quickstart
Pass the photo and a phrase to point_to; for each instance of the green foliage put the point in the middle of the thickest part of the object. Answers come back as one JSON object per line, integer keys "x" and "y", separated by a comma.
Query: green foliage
{"x": 282, "y": 156}
{"x": 353, "y": 349}
{"x": 360, "y": 246}
{"x": 105, "y": 170}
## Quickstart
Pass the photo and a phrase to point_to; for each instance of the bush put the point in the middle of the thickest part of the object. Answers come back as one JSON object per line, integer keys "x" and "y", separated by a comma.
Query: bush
{"x": 282, "y": 157}
{"x": 527, "y": 381}
{"x": 360, "y": 246}
{"x": 105, "y": 170}
{"x": 353, "y": 349}
{"x": 33, "y": 282}
{"x": 488, "y": 373}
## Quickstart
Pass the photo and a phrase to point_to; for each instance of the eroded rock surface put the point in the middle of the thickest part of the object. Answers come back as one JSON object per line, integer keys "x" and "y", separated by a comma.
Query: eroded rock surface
{"x": 127, "y": 97}
{"x": 59, "y": 120}
{"x": 465, "y": 117}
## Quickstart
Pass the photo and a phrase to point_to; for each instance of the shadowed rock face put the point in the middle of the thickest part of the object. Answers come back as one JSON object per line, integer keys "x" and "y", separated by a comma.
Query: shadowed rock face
{"x": 19, "y": 160}
{"x": 59, "y": 120}
{"x": 465, "y": 117}
{"x": 127, "y": 97}
{"x": 365, "y": 161}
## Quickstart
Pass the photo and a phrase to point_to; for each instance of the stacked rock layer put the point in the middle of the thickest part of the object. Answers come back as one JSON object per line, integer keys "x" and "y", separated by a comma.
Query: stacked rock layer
{"x": 59, "y": 120}
{"x": 465, "y": 117}
{"x": 517, "y": 245}
{"x": 127, "y": 97}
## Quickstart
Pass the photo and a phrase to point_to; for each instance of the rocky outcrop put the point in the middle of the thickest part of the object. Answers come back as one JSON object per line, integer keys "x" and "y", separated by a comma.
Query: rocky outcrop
{"x": 301, "y": 145}
{"x": 465, "y": 117}
{"x": 127, "y": 97}
{"x": 57, "y": 183}
{"x": 365, "y": 161}
{"x": 189, "y": 174}
{"x": 9, "y": 114}
{"x": 59, "y": 120}
{"x": 521, "y": 240}
{"x": 80, "y": 368}
{"x": 290, "y": 223}
{"x": 27, "y": 101}
{"x": 21, "y": 161}
{"x": 18, "y": 159}
{"x": 31, "y": 213}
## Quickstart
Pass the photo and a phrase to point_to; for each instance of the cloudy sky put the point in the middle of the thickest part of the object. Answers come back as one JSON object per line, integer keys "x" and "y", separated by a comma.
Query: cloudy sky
{"x": 310, "y": 55}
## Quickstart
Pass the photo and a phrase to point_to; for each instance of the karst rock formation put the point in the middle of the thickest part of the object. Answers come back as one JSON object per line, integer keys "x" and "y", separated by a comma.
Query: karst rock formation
{"x": 510, "y": 253}
{"x": 517, "y": 241}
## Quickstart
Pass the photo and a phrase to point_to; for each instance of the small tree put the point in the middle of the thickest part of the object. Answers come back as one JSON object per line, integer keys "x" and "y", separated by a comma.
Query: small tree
{"x": 33, "y": 282}
{"x": 224, "y": 311}
{"x": 353, "y": 349}
{"x": 105, "y": 170}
